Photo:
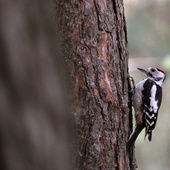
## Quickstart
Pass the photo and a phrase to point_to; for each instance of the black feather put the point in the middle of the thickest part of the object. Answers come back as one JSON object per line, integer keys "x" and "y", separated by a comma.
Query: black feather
{"x": 148, "y": 112}
{"x": 134, "y": 136}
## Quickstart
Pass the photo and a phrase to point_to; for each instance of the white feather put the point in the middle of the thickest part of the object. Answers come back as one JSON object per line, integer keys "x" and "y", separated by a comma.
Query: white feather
{"x": 153, "y": 102}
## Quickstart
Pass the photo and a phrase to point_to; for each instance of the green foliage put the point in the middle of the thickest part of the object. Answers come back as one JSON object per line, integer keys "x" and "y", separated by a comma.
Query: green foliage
{"x": 148, "y": 29}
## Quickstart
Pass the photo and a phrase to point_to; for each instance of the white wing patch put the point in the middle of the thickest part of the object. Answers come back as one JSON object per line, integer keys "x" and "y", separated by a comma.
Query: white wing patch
{"x": 150, "y": 124}
{"x": 153, "y": 102}
{"x": 150, "y": 116}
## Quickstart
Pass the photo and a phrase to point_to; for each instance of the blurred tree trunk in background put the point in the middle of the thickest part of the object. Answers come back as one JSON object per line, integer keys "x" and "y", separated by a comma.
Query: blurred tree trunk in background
{"x": 32, "y": 103}
{"x": 95, "y": 40}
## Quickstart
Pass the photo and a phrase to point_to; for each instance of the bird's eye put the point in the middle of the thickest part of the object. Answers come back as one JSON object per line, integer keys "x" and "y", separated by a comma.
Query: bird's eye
{"x": 153, "y": 70}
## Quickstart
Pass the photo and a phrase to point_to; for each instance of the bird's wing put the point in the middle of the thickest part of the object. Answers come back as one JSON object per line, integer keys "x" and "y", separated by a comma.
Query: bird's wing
{"x": 152, "y": 97}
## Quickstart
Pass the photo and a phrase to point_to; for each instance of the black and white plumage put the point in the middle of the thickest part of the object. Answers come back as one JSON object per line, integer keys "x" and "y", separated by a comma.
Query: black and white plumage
{"x": 146, "y": 102}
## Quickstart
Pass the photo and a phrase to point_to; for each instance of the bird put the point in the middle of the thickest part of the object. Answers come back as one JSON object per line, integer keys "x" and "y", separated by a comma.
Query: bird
{"x": 147, "y": 98}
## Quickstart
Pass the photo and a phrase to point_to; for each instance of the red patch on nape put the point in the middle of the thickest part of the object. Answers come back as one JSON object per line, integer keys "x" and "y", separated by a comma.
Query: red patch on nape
{"x": 160, "y": 69}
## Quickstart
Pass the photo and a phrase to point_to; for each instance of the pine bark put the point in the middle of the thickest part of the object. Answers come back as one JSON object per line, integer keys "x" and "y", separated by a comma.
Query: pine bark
{"x": 95, "y": 40}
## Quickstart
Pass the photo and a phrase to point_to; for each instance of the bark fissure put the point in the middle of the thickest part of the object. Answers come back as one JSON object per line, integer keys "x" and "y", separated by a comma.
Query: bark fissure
{"x": 97, "y": 9}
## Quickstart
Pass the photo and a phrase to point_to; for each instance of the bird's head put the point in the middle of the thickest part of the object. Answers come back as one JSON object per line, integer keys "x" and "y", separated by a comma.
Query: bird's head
{"x": 156, "y": 74}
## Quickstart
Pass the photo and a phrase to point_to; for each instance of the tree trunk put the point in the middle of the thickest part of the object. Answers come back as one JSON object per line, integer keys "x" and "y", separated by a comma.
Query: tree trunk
{"x": 95, "y": 40}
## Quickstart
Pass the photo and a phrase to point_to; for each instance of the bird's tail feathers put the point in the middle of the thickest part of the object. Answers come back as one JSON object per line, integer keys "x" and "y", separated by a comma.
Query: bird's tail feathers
{"x": 134, "y": 136}
{"x": 149, "y": 133}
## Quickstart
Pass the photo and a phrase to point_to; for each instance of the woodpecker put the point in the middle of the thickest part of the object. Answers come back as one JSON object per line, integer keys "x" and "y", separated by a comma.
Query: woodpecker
{"x": 147, "y": 99}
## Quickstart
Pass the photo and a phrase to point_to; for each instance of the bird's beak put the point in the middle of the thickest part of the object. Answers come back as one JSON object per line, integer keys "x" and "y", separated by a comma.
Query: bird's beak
{"x": 145, "y": 70}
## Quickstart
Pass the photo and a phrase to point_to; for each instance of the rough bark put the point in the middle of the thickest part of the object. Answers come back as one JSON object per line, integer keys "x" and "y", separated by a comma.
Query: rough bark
{"x": 95, "y": 40}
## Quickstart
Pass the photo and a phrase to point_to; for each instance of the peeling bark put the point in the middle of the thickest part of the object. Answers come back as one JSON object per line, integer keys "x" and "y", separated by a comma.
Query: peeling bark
{"x": 95, "y": 39}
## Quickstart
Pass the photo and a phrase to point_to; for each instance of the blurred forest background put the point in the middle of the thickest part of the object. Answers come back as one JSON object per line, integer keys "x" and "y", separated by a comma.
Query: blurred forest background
{"x": 148, "y": 24}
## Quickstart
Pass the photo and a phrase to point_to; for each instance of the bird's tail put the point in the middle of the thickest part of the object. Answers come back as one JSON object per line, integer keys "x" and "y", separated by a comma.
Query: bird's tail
{"x": 149, "y": 133}
{"x": 134, "y": 135}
